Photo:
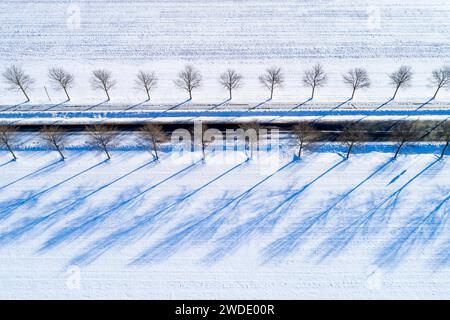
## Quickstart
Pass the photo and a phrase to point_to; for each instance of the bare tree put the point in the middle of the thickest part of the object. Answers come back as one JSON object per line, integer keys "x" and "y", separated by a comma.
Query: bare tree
{"x": 403, "y": 133}
{"x": 101, "y": 137}
{"x": 401, "y": 78}
{"x": 55, "y": 138}
{"x": 203, "y": 141}
{"x": 147, "y": 81}
{"x": 441, "y": 79}
{"x": 271, "y": 79}
{"x": 230, "y": 80}
{"x": 200, "y": 138}
{"x": 444, "y": 134}
{"x": 7, "y": 135}
{"x": 18, "y": 80}
{"x": 357, "y": 78}
{"x": 61, "y": 79}
{"x": 351, "y": 135}
{"x": 153, "y": 134}
{"x": 315, "y": 78}
{"x": 250, "y": 135}
{"x": 305, "y": 134}
{"x": 103, "y": 80}
{"x": 189, "y": 79}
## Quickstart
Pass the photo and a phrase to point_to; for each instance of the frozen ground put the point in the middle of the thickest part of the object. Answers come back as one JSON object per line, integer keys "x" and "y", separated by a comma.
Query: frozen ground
{"x": 272, "y": 227}
{"x": 125, "y": 36}
{"x": 319, "y": 227}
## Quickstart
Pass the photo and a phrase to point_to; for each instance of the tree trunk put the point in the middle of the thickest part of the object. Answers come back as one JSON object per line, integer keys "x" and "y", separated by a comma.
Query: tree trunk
{"x": 60, "y": 152}
{"x": 246, "y": 148}
{"x": 190, "y": 94}
{"x": 271, "y": 92}
{"x": 107, "y": 153}
{"x": 395, "y": 93}
{"x": 230, "y": 94}
{"x": 445, "y": 149}
{"x": 107, "y": 95}
{"x": 203, "y": 150}
{"x": 312, "y": 93}
{"x": 10, "y": 150}
{"x": 398, "y": 149}
{"x": 148, "y": 94}
{"x": 67, "y": 95}
{"x": 46, "y": 92}
{"x": 25, "y": 94}
{"x": 353, "y": 93}
{"x": 349, "y": 150}
{"x": 155, "y": 148}
{"x": 300, "y": 149}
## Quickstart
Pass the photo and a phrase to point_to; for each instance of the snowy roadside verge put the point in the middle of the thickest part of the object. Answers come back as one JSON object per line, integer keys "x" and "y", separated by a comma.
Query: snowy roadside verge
{"x": 87, "y": 117}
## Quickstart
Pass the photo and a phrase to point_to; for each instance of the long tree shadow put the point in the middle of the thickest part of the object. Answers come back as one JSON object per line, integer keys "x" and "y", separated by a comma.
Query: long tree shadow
{"x": 178, "y": 105}
{"x": 12, "y": 123}
{"x": 359, "y": 120}
{"x": 260, "y": 104}
{"x": 6, "y": 163}
{"x": 442, "y": 258}
{"x": 97, "y": 105}
{"x": 384, "y": 104}
{"x": 398, "y": 176}
{"x": 27, "y": 224}
{"x": 197, "y": 229}
{"x": 34, "y": 173}
{"x": 281, "y": 247}
{"x": 341, "y": 104}
{"x": 231, "y": 240}
{"x": 301, "y": 104}
{"x": 388, "y": 129}
{"x": 137, "y": 105}
{"x": 147, "y": 220}
{"x": 9, "y": 209}
{"x": 414, "y": 122}
{"x": 341, "y": 239}
{"x": 425, "y": 104}
{"x": 56, "y": 105}
{"x": 433, "y": 128}
{"x": 296, "y": 107}
{"x": 92, "y": 220}
{"x": 25, "y": 196}
{"x": 220, "y": 104}
{"x": 15, "y": 106}
{"x": 332, "y": 109}
{"x": 418, "y": 230}
{"x": 214, "y": 107}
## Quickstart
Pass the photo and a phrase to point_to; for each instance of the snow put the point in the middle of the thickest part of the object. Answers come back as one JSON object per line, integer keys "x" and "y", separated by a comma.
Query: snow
{"x": 226, "y": 116}
{"x": 272, "y": 227}
{"x": 250, "y": 36}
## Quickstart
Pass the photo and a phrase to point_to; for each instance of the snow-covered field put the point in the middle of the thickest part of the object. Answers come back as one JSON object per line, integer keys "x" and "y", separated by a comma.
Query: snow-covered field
{"x": 271, "y": 227}
{"x": 125, "y": 36}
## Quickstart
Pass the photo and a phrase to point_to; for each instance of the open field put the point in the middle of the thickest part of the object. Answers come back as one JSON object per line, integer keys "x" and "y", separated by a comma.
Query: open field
{"x": 214, "y": 35}
{"x": 230, "y": 226}
{"x": 271, "y": 227}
